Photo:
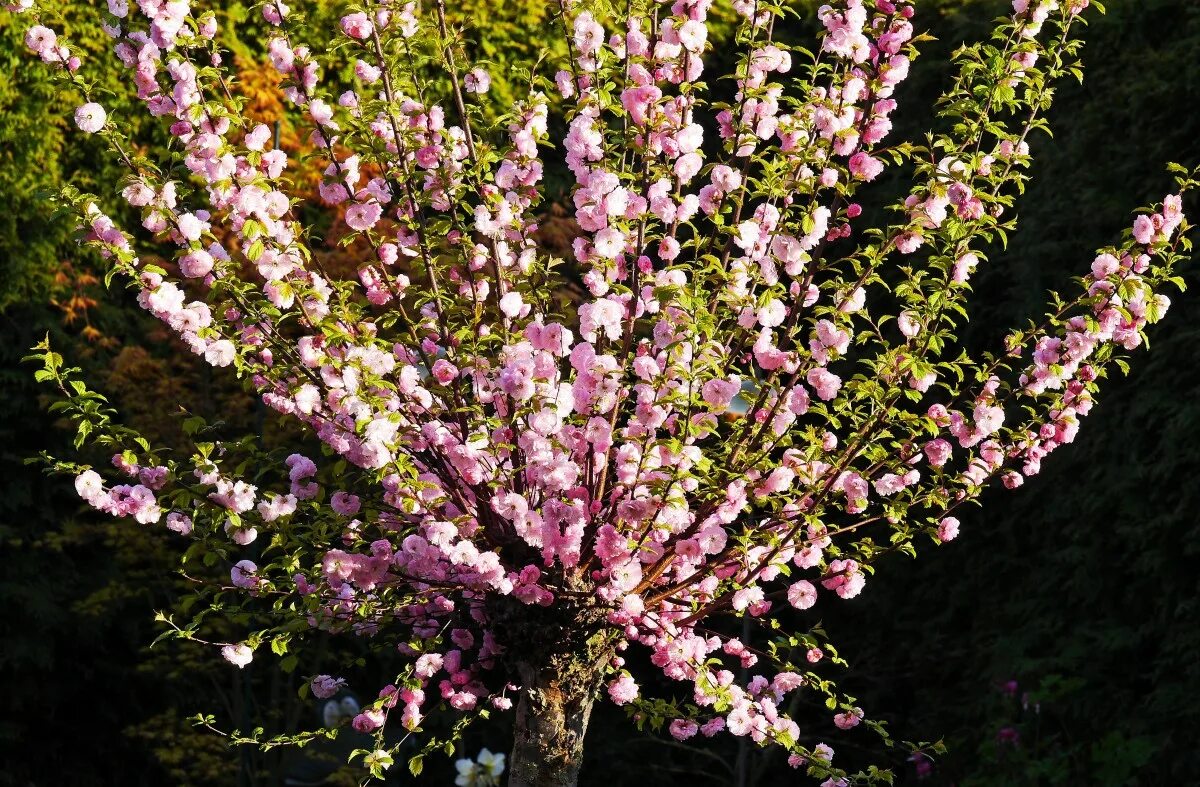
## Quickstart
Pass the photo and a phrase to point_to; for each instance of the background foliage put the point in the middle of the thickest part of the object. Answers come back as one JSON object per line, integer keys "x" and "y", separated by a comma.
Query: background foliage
{"x": 1054, "y": 643}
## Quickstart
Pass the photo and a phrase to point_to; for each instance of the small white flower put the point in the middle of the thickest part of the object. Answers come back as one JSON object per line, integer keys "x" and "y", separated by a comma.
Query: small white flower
{"x": 90, "y": 117}
{"x": 468, "y": 773}
{"x": 491, "y": 764}
{"x": 238, "y": 655}
{"x": 378, "y": 760}
{"x": 484, "y": 771}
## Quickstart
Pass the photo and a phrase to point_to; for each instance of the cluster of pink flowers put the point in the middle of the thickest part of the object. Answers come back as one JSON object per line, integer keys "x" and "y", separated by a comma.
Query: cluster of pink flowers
{"x": 136, "y": 500}
{"x": 1124, "y": 304}
{"x": 44, "y": 43}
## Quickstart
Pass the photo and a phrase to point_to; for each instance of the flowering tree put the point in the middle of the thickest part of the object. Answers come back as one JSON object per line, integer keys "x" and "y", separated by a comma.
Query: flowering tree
{"x": 730, "y": 405}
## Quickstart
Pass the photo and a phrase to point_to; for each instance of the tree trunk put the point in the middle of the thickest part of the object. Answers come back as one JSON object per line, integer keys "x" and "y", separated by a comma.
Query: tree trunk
{"x": 558, "y": 653}
{"x": 552, "y": 717}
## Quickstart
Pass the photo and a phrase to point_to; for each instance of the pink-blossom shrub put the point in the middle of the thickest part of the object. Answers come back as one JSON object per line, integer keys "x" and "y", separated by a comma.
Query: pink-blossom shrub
{"x": 753, "y": 399}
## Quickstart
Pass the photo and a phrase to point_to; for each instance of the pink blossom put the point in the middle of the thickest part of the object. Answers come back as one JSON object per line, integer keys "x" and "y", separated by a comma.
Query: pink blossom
{"x": 609, "y": 243}
{"x": 739, "y": 722}
{"x": 366, "y": 72}
{"x": 909, "y": 242}
{"x": 844, "y": 578}
{"x": 623, "y": 689}
{"x": 802, "y": 594}
{"x": 238, "y": 655}
{"x": 325, "y": 686}
{"x": 242, "y": 574}
{"x": 196, "y": 264}
{"x": 963, "y": 267}
{"x": 369, "y": 720}
{"x": 428, "y": 664}
{"x": 257, "y": 138}
{"x": 772, "y": 314}
{"x": 512, "y": 304}
{"x": 948, "y": 529}
{"x": 89, "y": 485}
{"x": 363, "y": 216}
{"x": 345, "y": 503}
{"x": 865, "y": 167}
{"x": 179, "y": 523}
{"x": 682, "y": 729}
{"x": 692, "y": 35}
{"x": 1143, "y": 230}
{"x": 477, "y": 81}
{"x": 40, "y": 40}
{"x": 938, "y": 451}
{"x": 588, "y": 33}
{"x": 909, "y": 324}
{"x": 322, "y": 113}
{"x": 1105, "y": 265}
{"x": 90, "y": 117}
{"x": 825, "y": 383}
{"x": 220, "y": 353}
{"x": 357, "y": 25}
{"x": 565, "y": 83}
{"x": 719, "y": 393}
{"x": 444, "y": 371}
{"x": 848, "y": 719}
{"x": 191, "y": 226}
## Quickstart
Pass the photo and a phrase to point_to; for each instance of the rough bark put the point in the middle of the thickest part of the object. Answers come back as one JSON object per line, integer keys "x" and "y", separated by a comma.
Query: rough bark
{"x": 558, "y": 655}
{"x": 551, "y": 721}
